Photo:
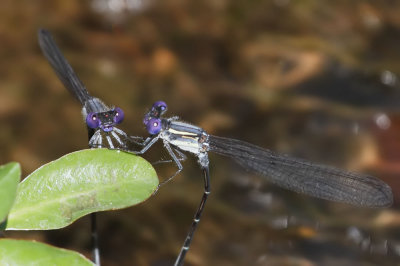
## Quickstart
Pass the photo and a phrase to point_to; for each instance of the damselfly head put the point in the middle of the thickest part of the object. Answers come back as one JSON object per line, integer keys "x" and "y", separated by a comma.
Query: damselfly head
{"x": 152, "y": 119}
{"x": 105, "y": 120}
{"x": 158, "y": 109}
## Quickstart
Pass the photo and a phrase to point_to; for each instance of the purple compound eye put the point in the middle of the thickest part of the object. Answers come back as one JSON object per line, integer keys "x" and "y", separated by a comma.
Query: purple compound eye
{"x": 119, "y": 115}
{"x": 92, "y": 120}
{"x": 160, "y": 105}
{"x": 153, "y": 126}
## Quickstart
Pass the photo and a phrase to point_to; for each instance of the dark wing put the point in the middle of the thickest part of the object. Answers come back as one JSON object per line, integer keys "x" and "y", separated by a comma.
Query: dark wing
{"x": 61, "y": 66}
{"x": 305, "y": 177}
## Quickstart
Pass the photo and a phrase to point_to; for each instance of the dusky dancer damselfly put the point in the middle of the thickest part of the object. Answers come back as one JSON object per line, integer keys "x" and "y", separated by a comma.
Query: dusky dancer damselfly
{"x": 100, "y": 119}
{"x": 294, "y": 174}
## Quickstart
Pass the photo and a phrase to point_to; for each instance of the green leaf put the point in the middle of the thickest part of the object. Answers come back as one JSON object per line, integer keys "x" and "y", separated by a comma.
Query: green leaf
{"x": 23, "y": 252}
{"x": 10, "y": 174}
{"x": 79, "y": 183}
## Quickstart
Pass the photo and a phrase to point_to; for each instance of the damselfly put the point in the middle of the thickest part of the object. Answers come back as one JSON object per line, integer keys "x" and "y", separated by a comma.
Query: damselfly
{"x": 99, "y": 118}
{"x": 294, "y": 174}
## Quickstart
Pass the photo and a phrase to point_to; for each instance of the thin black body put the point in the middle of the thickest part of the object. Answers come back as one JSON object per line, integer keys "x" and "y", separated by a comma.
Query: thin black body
{"x": 294, "y": 174}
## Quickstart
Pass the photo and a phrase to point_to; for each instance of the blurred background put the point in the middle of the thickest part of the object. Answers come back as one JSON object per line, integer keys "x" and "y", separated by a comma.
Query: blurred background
{"x": 313, "y": 79}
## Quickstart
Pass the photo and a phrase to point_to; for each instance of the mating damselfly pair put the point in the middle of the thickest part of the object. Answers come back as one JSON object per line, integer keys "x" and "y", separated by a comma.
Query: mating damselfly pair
{"x": 177, "y": 137}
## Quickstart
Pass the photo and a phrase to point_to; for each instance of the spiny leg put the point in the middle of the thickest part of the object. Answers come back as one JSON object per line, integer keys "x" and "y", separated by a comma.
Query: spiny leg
{"x": 119, "y": 131}
{"x": 121, "y": 137}
{"x": 181, "y": 157}
{"x": 117, "y": 138}
{"x": 147, "y": 144}
{"x": 96, "y": 140}
{"x": 175, "y": 160}
{"x": 207, "y": 190}
{"x": 137, "y": 140}
{"x": 110, "y": 144}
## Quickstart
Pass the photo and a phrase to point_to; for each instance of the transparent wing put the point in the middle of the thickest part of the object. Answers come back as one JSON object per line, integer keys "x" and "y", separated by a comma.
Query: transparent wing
{"x": 305, "y": 177}
{"x": 61, "y": 66}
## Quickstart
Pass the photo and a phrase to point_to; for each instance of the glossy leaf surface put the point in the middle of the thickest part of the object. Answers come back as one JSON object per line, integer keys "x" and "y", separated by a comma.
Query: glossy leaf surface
{"x": 79, "y": 183}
